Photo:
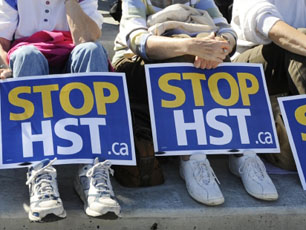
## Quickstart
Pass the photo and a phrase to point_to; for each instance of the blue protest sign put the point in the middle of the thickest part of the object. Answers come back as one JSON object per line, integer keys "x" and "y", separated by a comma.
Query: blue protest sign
{"x": 293, "y": 110}
{"x": 74, "y": 117}
{"x": 213, "y": 111}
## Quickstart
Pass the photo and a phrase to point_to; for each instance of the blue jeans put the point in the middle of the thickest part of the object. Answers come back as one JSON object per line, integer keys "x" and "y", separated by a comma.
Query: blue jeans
{"x": 85, "y": 57}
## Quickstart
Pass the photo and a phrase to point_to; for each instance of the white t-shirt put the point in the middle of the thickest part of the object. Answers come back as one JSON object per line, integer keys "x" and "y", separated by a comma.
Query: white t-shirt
{"x": 22, "y": 18}
{"x": 253, "y": 19}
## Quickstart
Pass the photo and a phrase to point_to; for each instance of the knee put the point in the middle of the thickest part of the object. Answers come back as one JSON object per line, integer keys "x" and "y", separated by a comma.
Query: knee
{"x": 92, "y": 48}
{"x": 26, "y": 52}
{"x": 27, "y": 55}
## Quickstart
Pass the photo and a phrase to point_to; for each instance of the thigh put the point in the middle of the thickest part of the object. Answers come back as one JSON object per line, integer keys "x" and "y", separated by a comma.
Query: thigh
{"x": 136, "y": 82}
{"x": 273, "y": 60}
{"x": 296, "y": 73}
{"x": 135, "y": 76}
{"x": 253, "y": 55}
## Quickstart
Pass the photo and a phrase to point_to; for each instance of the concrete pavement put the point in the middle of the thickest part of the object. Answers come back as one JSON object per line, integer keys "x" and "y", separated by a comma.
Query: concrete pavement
{"x": 167, "y": 206}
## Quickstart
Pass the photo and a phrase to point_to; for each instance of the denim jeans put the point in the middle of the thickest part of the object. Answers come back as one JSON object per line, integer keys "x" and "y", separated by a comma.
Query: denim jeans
{"x": 85, "y": 57}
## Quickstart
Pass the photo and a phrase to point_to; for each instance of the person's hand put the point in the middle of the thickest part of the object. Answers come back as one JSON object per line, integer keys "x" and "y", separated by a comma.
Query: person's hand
{"x": 5, "y": 73}
{"x": 220, "y": 38}
{"x": 209, "y": 48}
{"x": 205, "y": 64}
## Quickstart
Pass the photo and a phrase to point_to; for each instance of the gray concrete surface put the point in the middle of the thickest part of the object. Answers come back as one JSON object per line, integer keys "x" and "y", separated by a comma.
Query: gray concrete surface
{"x": 161, "y": 207}
{"x": 110, "y": 27}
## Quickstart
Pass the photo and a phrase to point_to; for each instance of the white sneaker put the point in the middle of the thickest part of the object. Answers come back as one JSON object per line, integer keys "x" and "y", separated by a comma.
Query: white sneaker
{"x": 44, "y": 195}
{"x": 94, "y": 188}
{"x": 254, "y": 176}
{"x": 201, "y": 180}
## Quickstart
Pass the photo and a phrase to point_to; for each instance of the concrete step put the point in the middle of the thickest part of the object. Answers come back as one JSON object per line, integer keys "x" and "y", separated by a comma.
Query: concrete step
{"x": 167, "y": 206}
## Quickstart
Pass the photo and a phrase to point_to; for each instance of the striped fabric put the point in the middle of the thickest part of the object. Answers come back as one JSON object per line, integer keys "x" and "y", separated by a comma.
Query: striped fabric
{"x": 133, "y": 27}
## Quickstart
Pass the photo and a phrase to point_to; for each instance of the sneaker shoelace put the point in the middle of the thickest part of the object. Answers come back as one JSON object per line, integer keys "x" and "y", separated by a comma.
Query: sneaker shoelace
{"x": 42, "y": 182}
{"x": 204, "y": 173}
{"x": 100, "y": 175}
{"x": 254, "y": 167}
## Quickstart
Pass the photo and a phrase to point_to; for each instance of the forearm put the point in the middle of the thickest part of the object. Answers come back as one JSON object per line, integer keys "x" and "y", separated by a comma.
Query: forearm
{"x": 160, "y": 47}
{"x": 4, "y": 48}
{"x": 3, "y": 58}
{"x": 288, "y": 38}
{"x": 82, "y": 27}
{"x": 5, "y": 71}
{"x": 208, "y": 48}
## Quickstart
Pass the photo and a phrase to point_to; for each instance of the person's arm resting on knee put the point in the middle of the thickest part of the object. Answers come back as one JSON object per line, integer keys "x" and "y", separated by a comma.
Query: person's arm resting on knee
{"x": 288, "y": 37}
